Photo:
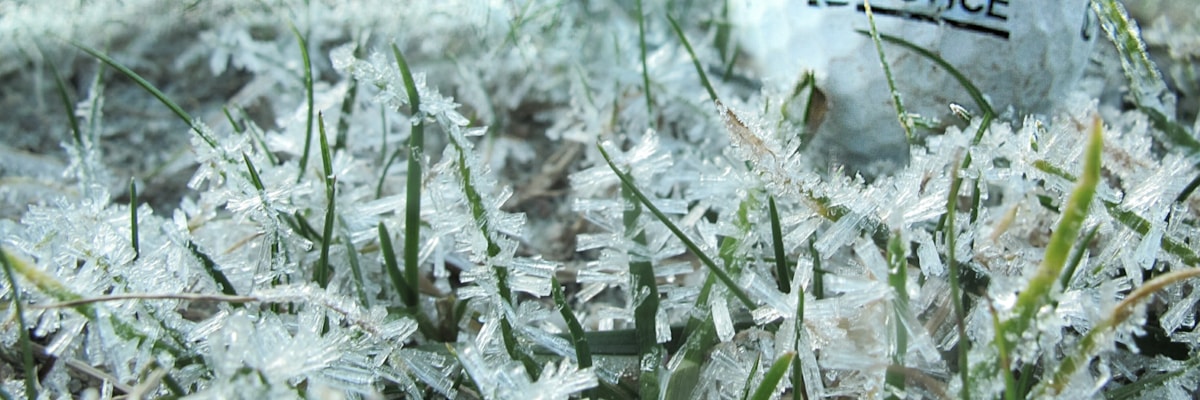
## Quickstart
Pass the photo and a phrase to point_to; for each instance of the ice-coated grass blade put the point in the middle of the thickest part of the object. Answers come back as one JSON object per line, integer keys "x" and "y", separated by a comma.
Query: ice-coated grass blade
{"x": 322, "y": 271}
{"x": 355, "y": 268}
{"x": 698, "y": 336}
{"x": 1134, "y": 390}
{"x": 1088, "y": 347}
{"x": 210, "y": 267}
{"x": 192, "y": 123}
{"x": 750, "y": 377}
{"x": 818, "y": 272}
{"x": 134, "y": 241}
{"x": 798, "y": 385}
{"x": 725, "y": 279}
{"x": 416, "y": 150}
{"x": 1077, "y": 257}
{"x": 641, "y": 17}
{"x": 68, "y": 105}
{"x": 898, "y": 280}
{"x": 1041, "y": 284}
{"x": 308, "y": 91}
{"x": 771, "y": 379}
{"x": 407, "y": 292}
{"x": 31, "y": 385}
{"x": 783, "y": 276}
{"x": 644, "y": 295}
{"x": 906, "y": 121}
{"x": 712, "y": 94}
{"x": 970, "y": 87}
{"x": 960, "y": 315}
{"x": 579, "y": 340}
{"x": 1149, "y": 91}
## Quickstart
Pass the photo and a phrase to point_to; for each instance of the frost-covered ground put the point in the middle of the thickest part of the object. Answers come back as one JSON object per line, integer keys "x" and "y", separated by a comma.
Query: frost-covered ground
{"x": 574, "y": 204}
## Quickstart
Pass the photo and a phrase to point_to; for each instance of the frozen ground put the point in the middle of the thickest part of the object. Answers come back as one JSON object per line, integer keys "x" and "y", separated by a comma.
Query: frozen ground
{"x": 515, "y": 97}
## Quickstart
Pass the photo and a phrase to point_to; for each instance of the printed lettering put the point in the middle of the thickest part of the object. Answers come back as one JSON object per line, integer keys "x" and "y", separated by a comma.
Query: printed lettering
{"x": 993, "y": 9}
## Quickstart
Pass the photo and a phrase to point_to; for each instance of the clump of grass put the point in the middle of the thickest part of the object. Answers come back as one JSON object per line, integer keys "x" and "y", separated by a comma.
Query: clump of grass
{"x": 711, "y": 261}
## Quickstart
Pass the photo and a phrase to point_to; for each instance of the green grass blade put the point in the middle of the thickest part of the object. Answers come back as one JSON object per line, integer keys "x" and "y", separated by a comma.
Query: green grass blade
{"x": 1040, "y": 285}
{"x": 1088, "y": 346}
{"x": 970, "y": 87}
{"x": 1133, "y": 390}
{"x": 1077, "y": 257}
{"x": 210, "y": 267}
{"x": 407, "y": 293}
{"x": 798, "y": 385}
{"x": 783, "y": 276}
{"x": 322, "y": 271}
{"x": 644, "y": 295}
{"x": 772, "y": 377}
{"x": 133, "y": 220}
{"x": 641, "y": 17}
{"x": 30, "y": 371}
{"x": 898, "y": 280}
{"x": 906, "y": 121}
{"x": 627, "y": 182}
{"x": 750, "y": 377}
{"x": 308, "y": 90}
{"x": 960, "y": 314}
{"x": 712, "y": 94}
{"x": 255, "y": 179}
{"x": 355, "y": 268}
{"x": 68, "y": 105}
{"x": 192, "y": 123}
{"x": 416, "y": 150}
{"x": 579, "y": 340}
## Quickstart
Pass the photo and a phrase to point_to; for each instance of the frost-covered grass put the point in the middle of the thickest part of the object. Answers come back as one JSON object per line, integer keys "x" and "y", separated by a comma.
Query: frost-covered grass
{"x": 553, "y": 199}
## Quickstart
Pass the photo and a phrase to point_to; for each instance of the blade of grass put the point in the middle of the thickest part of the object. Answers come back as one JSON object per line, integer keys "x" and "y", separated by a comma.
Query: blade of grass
{"x": 308, "y": 91}
{"x": 210, "y": 267}
{"x": 798, "y": 385}
{"x": 68, "y": 105}
{"x": 750, "y": 377}
{"x": 1041, "y": 284}
{"x": 898, "y": 280}
{"x": 192, "y": 123}
{"x": 956, "y": 299}
{"x": 133, "y": 220}
{"x": 322, "y": 271}
{"x": 31, "y": 384}
{"x": 579, "y": 340}
{"x": 1077, "y": 257}
{"x": 783, "y": 276}
{"x": 627, "y": 182}
{"x": 641, "y": 17}
{"x": 972, "y": 90}
{"x": 1088, "y": 346}
{"x": 644, "y": 296}
{"x": 906, "y": 121}
{"x": 1133, "y": 390}
{"x": 416, "y": 150}
{"x": 773, "y": 376}
{"x": 355, "y": 268}
{"x": 712, "y": 94}
{"x": 407, "y": 292}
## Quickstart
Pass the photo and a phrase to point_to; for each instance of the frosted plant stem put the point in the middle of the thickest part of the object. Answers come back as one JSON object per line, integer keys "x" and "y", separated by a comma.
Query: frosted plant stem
{"x": 960, "y": 315}
{"x": 322, "y": 271}
{"x": 704, "y": 258}
{"x": 25, "y": 343}
{"x": 1042, "y": 283}
{"x": 905, "y": 120}
{"x": 308, "y": 89}
{"x": 641, "y": 17}
{"x": 1088, "y": 346}
{"x": 192, "y": 123}
{"x": 416, "y": 150}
